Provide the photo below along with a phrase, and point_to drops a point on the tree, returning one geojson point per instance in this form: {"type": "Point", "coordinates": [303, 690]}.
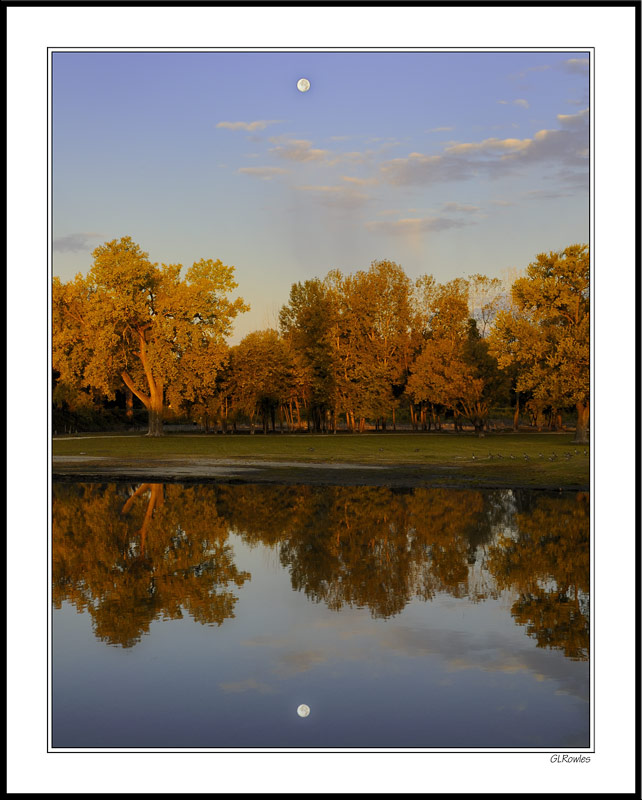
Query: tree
{"type": "Point", "coordinates": [306, 324]}
{"type": "Point", "coordinates": [261, 376]}
{"type": "Point", "coordinates": [547, 334]}
{"type": "Point", "coordinates": [133, 322]}
{"type": "Point", "coordinates": [130, 555]}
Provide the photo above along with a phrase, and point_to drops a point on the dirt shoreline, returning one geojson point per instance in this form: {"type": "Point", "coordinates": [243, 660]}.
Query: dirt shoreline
{"type": "Point", "coordinates": [94, 469]}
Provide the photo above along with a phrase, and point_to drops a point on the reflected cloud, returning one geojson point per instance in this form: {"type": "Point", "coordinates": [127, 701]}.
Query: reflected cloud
{"type": "Point", "coordinates": [248, 685]}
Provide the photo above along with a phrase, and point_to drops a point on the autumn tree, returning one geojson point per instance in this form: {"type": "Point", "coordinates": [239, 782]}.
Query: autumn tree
{"type": "Point", "coordinates": [306, 324]}
{"type": "Point", "coordinates": [139, 324]}
{"type": "Point", "coordinates": [546, 335]}
{"type": "Point", "coordinates": [261, 376]}
{"type": "Point", "coordinates": [373, 339]}
{"type": "Point", "coordinates": [441, 375]}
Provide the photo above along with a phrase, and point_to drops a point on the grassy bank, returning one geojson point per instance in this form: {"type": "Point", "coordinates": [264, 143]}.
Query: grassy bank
{"type": "Point", "coordinates": [497, 459]}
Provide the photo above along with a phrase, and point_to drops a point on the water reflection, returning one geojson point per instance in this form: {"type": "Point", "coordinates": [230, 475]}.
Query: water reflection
{"type": "Point", "coordinates": [132, 554]}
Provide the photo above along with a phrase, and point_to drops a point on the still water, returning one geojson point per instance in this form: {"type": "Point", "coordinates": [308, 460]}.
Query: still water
{"type": "Point", "coordinates": [203, 616]}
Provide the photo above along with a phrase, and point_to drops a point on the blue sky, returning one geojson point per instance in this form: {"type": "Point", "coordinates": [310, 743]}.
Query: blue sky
{"type": "Point", "coordinates": [447, 163]}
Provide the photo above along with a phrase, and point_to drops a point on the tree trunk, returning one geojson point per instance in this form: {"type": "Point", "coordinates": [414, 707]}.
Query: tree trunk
{"type": "Point", "coordinates": [155, 427]}
{"type": "Point", "coordinates": [581, 429]}
{"type": "Point", "coordinates": [516, 414]}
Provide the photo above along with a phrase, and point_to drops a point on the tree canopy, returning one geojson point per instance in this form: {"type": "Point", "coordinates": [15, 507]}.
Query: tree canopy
{"type": "Point", "coordinates": [133, 322]}
{"type": "Point", "coordinates": [350, 348]}
{"type": "Point", "coordinates": [546, 333]}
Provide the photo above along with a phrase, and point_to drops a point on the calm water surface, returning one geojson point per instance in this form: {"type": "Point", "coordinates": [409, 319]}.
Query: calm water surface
{"type": "Point", "coordinates": [203, 616]}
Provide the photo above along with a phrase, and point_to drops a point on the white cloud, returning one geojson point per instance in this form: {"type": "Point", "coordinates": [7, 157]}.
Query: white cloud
{"type": "Point", "coordinates": [265, 173]}
{"type": "Point", "coordinates": [257, 125]}
{"type": "Point", "coordinates": [443, 128]}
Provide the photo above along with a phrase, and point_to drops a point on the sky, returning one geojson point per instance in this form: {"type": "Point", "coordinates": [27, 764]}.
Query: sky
{"type": "Point", "coordinates": [448, 163]}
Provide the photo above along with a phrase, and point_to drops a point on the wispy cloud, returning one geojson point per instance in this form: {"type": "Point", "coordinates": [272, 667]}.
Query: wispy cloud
{"type": "Point", "coordinates": [565, 147]}
{"type": "Point", "coordinates": [264, 173]}
{"type": "Point", "coordinates": [520, 101]}
{"type": "Point", "coordinates": [487, 145]}
{"type": "Point", "coordinates": [257, 125]}
{"type": "Point", "coordinates": [464, 208]}
{"type": "Point", "coordinates": [578, 66]}
{"type": "Point", "coordinates": [336, 196]}
{"type": "Point", "coordinates": [75, 242]}
{"type": "Point", "coordinates": [359, 181]}
{"type": "Point", "coordinates": [537, 68]}
{"type": "Point", "coordinates": [299, 150]}
{"type": "Point", "coordinates": [442, 128]}
{"type": "Point", "coordinates": [574, 120]}
{"type": "Point", "coordinates": [547, 194]}
{"type": "Point", "coordinates": [414, 225]}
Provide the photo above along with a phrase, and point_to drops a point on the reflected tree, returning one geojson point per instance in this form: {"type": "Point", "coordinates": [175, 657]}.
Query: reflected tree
{"type": "Point", "coordinates": [132, 555]}
{"type": "Point", "coordinates": [547, 563]}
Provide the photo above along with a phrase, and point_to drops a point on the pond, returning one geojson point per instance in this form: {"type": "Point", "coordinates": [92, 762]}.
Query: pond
{"type": "Point", "coordinates": [203, 616]}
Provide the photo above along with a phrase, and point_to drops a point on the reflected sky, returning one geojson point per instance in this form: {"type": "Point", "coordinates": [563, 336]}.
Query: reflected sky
{"type": "Point", "coordinates": [427, 618]}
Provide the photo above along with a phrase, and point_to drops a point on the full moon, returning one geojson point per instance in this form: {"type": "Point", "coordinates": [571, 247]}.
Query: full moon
{"type": "Point", "coordinates": [303, 710]}
{"type": "Point", "coordinates": [303, 85]}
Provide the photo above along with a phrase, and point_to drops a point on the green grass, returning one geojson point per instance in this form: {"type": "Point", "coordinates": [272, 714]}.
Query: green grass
{"type": "Point", "coordinates": [494, 458]}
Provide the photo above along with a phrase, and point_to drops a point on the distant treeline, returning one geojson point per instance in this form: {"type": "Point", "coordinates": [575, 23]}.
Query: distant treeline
{"type": "Point", "coordinates": [351, 350]}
